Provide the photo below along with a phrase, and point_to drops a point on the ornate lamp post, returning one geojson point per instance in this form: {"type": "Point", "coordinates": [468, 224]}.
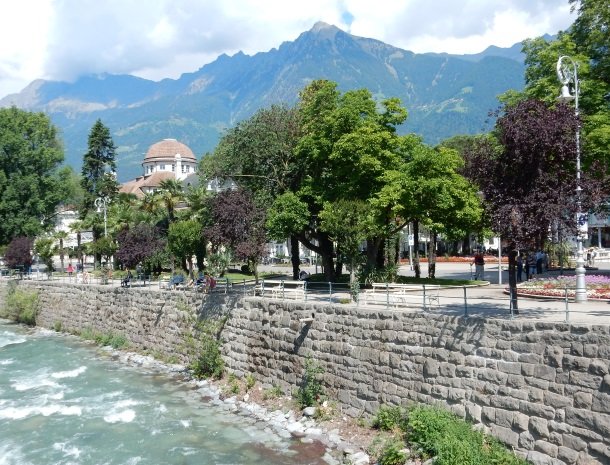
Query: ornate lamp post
{"type": "Point", "coordinates": [102, 205]}
{"type": "Point", "coordinates": [567, 73]}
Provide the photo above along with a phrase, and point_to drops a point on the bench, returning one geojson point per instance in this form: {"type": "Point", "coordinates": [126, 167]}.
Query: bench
{"type": "Point", "coordinates": [281, 289]}
{"type": "Point", "coordinates": [403, 294]}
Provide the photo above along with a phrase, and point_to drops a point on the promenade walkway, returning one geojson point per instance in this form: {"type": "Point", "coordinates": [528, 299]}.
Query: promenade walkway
{"type": "Point", "coordinates": [488, 301]}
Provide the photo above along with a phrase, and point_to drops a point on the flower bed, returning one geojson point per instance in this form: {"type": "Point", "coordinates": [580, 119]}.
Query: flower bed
{"type": "Point", "coordinates": [598, 286]}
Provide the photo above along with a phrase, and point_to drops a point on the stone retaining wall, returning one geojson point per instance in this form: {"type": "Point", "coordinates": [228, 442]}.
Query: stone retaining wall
{"type": "Point", "coordinates": [154, 322]}
{"type": "Point", "coordinates": [542, 388]}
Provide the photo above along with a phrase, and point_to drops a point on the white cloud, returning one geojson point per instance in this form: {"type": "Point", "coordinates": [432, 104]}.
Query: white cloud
{"type": "Point", "coordinates": [63, 39]}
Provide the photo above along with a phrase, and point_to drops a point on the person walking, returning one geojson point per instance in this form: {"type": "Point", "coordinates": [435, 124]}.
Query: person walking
{"type": "Point", "coordinates": [519, 268]}
{"type": "Point", "coordinates": [531, 265]}
{"type": "Point", "coordinates": [479, 266]}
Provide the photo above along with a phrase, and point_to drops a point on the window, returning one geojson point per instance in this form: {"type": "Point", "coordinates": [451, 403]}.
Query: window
{"type": "Point", "coordinates": [183, 169]}
{"type": "Point", "coordinates": [173, 167]}
{"type": "Point", "coordinates": [161, 167]}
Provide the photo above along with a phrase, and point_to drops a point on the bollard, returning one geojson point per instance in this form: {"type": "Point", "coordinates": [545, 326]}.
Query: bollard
{"type": "Point", "coordinates": [424, 287]}
{"type": "Point", "coordinates": [567, 307]}
{"type": "Point", "coordinates": [465, 303]}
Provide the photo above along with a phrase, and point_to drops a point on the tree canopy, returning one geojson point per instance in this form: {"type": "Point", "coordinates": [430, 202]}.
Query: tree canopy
{"type": "Point", "coordinates": [30, 177]}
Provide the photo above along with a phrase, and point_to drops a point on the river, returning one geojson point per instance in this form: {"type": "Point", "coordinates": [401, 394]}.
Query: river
{"type": "Point", "coordinates": [63, 401]}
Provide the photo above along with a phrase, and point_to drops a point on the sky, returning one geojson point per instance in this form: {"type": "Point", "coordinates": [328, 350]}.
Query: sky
{"type": "Point", "coordinates": [156, 39]}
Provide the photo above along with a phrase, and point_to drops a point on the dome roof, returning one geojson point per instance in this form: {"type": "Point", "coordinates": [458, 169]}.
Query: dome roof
{"type": "Point", "coordinates": [168, 149]}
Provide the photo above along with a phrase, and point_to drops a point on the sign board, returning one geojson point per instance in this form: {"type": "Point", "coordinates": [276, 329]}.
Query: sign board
{"type": "Point", "coordinates": [582, 223]}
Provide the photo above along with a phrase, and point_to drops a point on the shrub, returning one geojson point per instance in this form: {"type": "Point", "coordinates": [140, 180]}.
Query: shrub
{"type": "Point", "coordinates": [453, 441]}
{"type": "Point", "coordinates": [311, 391]}
{"type": "Point", "coordinates": [245, 269]}
{"type": "Point", "coordinates": [203, 347]}
{"type": "Point", "coordinates": [392, 454]}
{"type": "Point", "coordinates": [272, 393]}
{"type": "Point", "coordinates": [250, 382]}
{"type": "Point", "coordinates": [21, 305]}
{"type": "Point", "coordinates": [116, 341]}
{"type": "Point", "coordinates": [390, 418]}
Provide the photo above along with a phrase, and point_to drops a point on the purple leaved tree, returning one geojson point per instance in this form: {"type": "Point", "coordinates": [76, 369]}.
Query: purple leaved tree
{"type": "Point", "coordinates": [138, 244]}
{"type": "Point", "coordinates": [237, 223]}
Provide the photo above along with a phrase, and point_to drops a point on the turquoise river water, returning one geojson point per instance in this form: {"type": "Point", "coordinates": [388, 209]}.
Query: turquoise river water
{"type": "Point", "coordinates": [64, 402]}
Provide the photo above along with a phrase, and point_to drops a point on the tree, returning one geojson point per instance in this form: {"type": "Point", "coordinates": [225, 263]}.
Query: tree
{"type": "Point", "coordinates": [98, 177]}
{"type": "Point", "coordinates": [348, 142]}
{"type": "Point", "coordinates": [170, 194]}
{"type": "Point", "coordinates": [30, 179]}
{"type": "Point", "coordinates": [46, 248]}
{"type": "Point", "coordinates": [99, 166]}
{"type": "Point", "coordinates": [258, 154]}
{"type": "Point", "coordinates": [590, 32]}
{"type": "Point", "coordinates": [18, 252]}
{"type": "Point", "coordinates": [184, 238]}
{"type": "Point", "coordinates": [349, 223]}
{"type": "Point", "coordinates": [138, 244]}
{"type": "Point", "coordinates": [528, 178]}
{"type": "Point", "coordinates": [238, 224]}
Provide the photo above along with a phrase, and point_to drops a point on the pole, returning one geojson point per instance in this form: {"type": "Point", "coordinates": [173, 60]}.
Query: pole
{"type": "Point", "coordinates": [567, 71]}
{"type": "Point", "coordinates": [499, 260]}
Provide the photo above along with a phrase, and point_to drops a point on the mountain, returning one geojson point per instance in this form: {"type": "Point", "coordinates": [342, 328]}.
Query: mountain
{"type": "Point", "coordinates": [444, 94]}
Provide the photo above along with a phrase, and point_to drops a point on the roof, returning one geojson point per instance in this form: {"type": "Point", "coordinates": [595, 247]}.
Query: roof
{"type": "Point", "coordinates": [168, 149]}
{"type": "Point", "coordinates": [151, 181]}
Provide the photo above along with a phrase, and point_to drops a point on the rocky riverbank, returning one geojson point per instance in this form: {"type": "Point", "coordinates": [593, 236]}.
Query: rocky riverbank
{"type": "Point", "coordinates": [336, 436]}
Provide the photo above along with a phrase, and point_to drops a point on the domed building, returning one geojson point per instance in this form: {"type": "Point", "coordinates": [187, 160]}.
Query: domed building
{"type": "Point", "coordinates": [167, 159]}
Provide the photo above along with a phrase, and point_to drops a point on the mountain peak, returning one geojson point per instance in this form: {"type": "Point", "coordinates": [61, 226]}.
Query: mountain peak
{"type": "Point", "coordinates": [324, 30]}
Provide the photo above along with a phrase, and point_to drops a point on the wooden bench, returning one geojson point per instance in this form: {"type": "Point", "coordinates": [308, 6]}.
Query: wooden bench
{"type": "Point", "coordinates": [403, 294]}
{"type": "Point", "coordinates": [281, 289]}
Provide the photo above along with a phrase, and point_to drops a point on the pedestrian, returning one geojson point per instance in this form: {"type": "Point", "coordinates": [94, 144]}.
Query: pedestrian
{"type": "Point", "coordinates": [479, 266]}
{"type": "Point", "coordinates": [519, 268]}
{"type": "Point", "coordinates": [539, 259]}
{"type": "Point", "coordinates": [530, 263]}
{"type": "Point", "coordinates": [70, 270]}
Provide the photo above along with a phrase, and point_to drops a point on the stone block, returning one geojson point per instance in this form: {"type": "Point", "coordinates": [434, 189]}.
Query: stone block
{"type": "Point", "coordinates": [544, 372]}
{"type": "Point", "coordinates": [504, 418]}
{"type": "Point", "coordinates": [539, 427]}
{"type": "Point", "coordinates": [571, 362]}
{"type": "Point", "coordinates": [585, 380]}
{"type": "Point", "coordinates": [600, 449]}
{"type": "Point", "coordinates": [599, 367]}
{"type": "Point", "coordinates": [601, 402]}
{"type": "Point", "coordinates": [513, 368]}
{"type": "Point", "coordinates": [556, 401]}
{"type": "Point", "coordinates": [473, 412]}
{"type": "Point", "coordinates": [566, 454]}
{"type": "Point", "coordinates": [431, 368]}
{"type": "Point", "coordinates": [546, 448]}
{"type": "Point", "coordinates": [505, 435]}
{"type": "Point", "coordinates": [526, 440]}
{"type": "Point", "coordinates": [520, 421]}
{"type": "Point", "coordinates": [537, 410]}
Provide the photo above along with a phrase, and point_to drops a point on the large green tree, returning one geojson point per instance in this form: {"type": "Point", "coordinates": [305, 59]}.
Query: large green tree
{"type": "Point", "coordinates": [99, 167]}
{"type": "Point", "coordinates": [30, 177]}
{"type": "Point", "coordinates": [259, 155]}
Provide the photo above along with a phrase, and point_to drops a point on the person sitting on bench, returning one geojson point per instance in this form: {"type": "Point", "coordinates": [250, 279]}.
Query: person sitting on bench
{"type": "Point", "coordinates": [126, 281]}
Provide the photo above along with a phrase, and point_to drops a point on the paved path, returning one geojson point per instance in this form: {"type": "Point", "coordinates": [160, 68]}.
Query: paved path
{"type": "Point", "coordinates": [485, 301]}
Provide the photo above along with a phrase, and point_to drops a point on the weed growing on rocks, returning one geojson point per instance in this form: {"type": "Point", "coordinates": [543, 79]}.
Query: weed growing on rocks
{"type": "Point", "coordinates": [21, 305]}
{"type": "Point", "coordinates": [311, 391]}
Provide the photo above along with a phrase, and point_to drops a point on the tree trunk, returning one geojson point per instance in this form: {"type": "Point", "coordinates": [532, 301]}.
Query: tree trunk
{"type": "Point", "coordinates": [416, 267]}
{"type": "Point", "coordinates": [432, 255]}
{"type": "Point", "coordinates": [512, 277]}
{"type": "Point", "coordinates": [61, 254]}
{"type": "Point", "coordinates": [338, 268]}
{"type": "Point", "coordinates": [372, 249]}
{"type": "Point", "coordinates": [294, 256]}
{"type": "Point", "coordinates": [327, 252]}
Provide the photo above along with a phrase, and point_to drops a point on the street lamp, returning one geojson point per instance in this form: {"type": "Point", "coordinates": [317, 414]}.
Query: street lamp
{"type": "Point", "coordinates": [567, 73]}
{"type": "Point", "coordinates": [102, 204]}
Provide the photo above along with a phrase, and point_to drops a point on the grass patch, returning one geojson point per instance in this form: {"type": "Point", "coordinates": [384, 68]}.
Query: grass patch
{"type": "Point", "coordinates": [434, 432]}
{"type": "Point", "coordinates": [21, 305]}
{"type": "Point", "coordinates": [116, 341]}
